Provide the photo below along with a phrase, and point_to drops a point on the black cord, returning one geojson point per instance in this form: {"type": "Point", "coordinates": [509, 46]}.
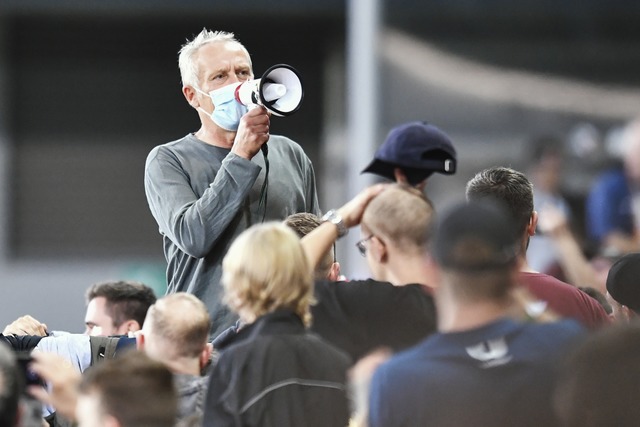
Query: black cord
{"type": "Point", "coordinates": [265, 185]}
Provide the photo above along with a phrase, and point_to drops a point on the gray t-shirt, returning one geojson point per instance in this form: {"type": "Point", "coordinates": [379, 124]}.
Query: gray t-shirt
{"type": "Point", "coordinates": [203, 196]}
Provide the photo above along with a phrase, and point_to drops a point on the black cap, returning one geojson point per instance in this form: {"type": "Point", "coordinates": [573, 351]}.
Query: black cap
{"type": "Point", "coordinates": [418, 148]}
{"type": "Point", "coordinates": [623, 281]}
{"type": "Point", "coordinates": [475, 236]}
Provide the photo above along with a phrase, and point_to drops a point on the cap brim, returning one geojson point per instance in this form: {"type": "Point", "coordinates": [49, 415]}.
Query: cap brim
{"type": "Point", "coordinates": [381, 168]}
{"type": "Point", "coordinates": [387, 170]}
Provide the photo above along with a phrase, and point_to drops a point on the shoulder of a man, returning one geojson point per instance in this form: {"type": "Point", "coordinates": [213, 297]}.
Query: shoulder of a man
{"type": "Point", "coordinates": [73, 347]}
{"type": "Point", "coordinates": [283, 144]}
{"type": "Point", "coordinates": [168, 147]}
{"type": "Point", "coordinates": [565, 299]}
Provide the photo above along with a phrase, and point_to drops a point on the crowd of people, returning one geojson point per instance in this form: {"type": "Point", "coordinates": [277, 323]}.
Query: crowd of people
{"type": "Point", "coordinates": [457, 325]}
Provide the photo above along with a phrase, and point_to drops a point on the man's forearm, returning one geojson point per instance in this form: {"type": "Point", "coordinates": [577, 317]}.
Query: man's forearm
{"type": "Point", "coordinates": [318, 242]}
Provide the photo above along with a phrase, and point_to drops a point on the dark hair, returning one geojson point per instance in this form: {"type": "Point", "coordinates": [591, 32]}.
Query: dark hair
{"type": "Point", "coordinates": [545, 146]}
{"type": "Point", "coordinates": [507, 187]}
{"type": "Point", "coordinates": [9, 387]}
{"type": "Point", "coordinates": [134, 389]}
{"type": "Point", "coordinates": [598, 383]}
{"type": "Point", "coordinates": [125, 300]}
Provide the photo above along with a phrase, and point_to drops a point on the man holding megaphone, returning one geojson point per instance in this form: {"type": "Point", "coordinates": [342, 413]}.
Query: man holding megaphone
{"type": "Point", "coordinates": [207, 187]}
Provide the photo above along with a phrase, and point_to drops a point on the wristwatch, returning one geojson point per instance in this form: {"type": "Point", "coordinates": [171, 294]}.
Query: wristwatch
{"type": "Point", "coordinates": [334, 217]}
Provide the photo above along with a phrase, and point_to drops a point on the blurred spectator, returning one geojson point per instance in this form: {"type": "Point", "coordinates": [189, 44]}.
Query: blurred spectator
{"type": "Point", "coordinates": [598, 384]}
{"type": "Point", "coordinates": [130, 391]}
{"type": "Point", "coordinates": [482, 368]}
{"type": "Point", "coordinates": [573, 261]}
{"type": "Point", "coordinates": [512, 190]}
{"type": "Point", "coordinates": [274, 372]}
{"type": "Point", "coordinates": [175, 333]}
{"type": "Point", "coordinates": [9, 388]}
{"type": "Point", "coordinates": [113, 308]}
{"type": "Point", "coordinates": [545, 171]}
{"type": "Point", "coordinates": [613, 204]}
{"type": "Point", "coordinates": [623, 287]}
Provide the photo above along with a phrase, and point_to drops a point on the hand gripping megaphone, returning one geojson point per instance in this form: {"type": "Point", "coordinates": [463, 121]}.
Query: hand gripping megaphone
{"type": "Point", "coordinates": [279, 90]}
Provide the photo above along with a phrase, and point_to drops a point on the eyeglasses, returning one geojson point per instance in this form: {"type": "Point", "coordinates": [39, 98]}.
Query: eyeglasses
{"type": "Point", "coordinates": [362, 247]}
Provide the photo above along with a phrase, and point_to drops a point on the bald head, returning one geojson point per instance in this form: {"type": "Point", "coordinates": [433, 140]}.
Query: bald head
{"type": "Point", "coordinates": [402, 216]}
{"type": "Point", "coordinates": [177, 325]}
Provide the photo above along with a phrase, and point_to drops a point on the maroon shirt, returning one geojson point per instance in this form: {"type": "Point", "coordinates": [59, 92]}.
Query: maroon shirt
{"type": "Point", "coordinates": [565, 300]}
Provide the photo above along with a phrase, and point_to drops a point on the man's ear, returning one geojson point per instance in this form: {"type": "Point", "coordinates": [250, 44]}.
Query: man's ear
{"type": "Point", "coordinates": [378, 249]}
{"type": "Point", "coordinates": [205, 355]}
{"type": "Point", "coordinates": [533, 223]}
{"type": "Point", "coordinates": [128, 327]}
{"type": "Point", "coordinates": [140, 340]}
{"type": "Point", "coordinates": [110, 421]}
{"type": "Point", "coordinates": [190, 95]}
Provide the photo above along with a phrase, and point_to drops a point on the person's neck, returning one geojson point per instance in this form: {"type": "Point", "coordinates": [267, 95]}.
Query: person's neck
{"type": "Point", "coordinates": [183, 365]}
{"type": "Point", "coordinates": [459, 316]}
{"type": "Point", "coordinates": [216, 136]}
{"type": "Point", "coordinates": [525, 267]}
{"type": "Point", "coordinates": [407, 269]}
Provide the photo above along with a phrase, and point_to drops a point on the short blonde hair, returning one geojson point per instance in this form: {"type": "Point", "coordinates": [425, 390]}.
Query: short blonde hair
{"type": "Point", "coordinates": [186, 63]}
{"type": "Point", "coordinates": [403, 215]}
{"type": "Point", "coordinates": [266, 269]}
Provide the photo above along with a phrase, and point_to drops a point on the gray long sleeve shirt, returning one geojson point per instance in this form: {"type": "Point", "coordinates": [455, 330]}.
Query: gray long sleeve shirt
{"type": "Point", "coordinates": [203, 196]}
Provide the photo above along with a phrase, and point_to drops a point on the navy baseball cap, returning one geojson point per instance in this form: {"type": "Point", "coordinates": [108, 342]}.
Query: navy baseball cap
{"type": "Point", "coordinates": [623, 281]}
{"type": "Point", "coordinates": [418, 148]}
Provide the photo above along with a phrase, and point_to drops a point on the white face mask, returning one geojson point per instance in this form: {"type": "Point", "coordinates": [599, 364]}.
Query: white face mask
{"type": "Point", "coordinates": [227, 110]}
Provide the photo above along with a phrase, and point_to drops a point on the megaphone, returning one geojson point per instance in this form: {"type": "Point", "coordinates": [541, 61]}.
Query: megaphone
{"type": "Point", "coordinates": [279, 90]}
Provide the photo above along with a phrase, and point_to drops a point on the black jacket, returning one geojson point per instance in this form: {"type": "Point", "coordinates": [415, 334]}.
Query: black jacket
{"type": "Point", "coordinates": [274, 373]}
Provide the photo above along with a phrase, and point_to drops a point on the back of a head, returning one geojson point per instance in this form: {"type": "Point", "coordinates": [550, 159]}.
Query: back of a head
{"type": "Point", "coordinates": [623, 281]}
{"type": "Point", "coordinates": [266, 269]}
{"type": "Point", "coordinates": [402, 215]}
{"type": "Point", "coordinates": [303, 223]}
{"type": "Point", "coordinates": [132, 388]}
{"type": "Point", "coordinates": [177, 325]}
{"type": "Point", "coordinates": [505, 186]}
{"type": "Point", "coordinates": [598, 384]}
{"type": "Point", "coordinates": [9, 387]}
{"type": "Point", "coordinates": [475, 244]}
{"type": "Point", "coordinates": [125, 300]}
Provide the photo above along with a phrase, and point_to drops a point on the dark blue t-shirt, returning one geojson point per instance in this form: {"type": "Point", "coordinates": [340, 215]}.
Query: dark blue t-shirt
{"type": "Point", "coordinates": [501, 374]}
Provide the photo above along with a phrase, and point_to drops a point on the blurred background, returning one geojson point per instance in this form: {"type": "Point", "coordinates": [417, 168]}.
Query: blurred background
{"type": "Point", "coordinates": [89, 87]}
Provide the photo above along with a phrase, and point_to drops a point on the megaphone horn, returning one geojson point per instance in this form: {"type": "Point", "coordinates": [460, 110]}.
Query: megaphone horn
{"type": "Point", "coordinates": [279, 90]}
